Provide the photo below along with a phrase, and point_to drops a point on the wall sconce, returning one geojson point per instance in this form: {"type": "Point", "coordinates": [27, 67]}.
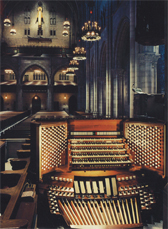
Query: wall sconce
{"type": "Point", "coordinates": [64, 96]}
{"type": "Point", "coordinates": [6, 97]}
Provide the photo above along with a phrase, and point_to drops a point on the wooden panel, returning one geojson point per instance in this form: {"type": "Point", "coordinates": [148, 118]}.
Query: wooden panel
{"type": "Point", "coordinates": [14, 223]}
{"type": "Point", "coordinates": [2, 155]}
{"type": "Point", "coordinates": [27, 210]}
{"type": "Point", "coordinates": [14, 192]}
{"type": "Point", "coordinates": [95, 125]}
{"type": "Point", "coordinates": [52, 146]}
{"type": "Point", "coordinates": [146, 142]}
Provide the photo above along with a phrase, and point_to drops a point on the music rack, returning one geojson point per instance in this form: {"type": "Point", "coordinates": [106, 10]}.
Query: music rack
{"type": "Point", "coordinates": [96, 160]}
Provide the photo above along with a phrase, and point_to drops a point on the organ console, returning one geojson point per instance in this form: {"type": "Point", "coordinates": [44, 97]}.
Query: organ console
{"type": "Point", "coordinates": [93, 170]}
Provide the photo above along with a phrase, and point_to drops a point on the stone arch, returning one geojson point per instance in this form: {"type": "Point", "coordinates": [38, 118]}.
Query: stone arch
{"type": "Point", "coordinates": [38, 66]}
{"type": "Point", "coordinates": [25, 95]}
{"type": "Point", "coordinates": [121, 57]}
{"type": "Point", "coordinates": [121, 43]}
{"type": "Point", "coordinates": [102, 82]}
{"type": "Point", "coordinates": [61, 67]}
{"type": "Point", "coordinates": [8, 66]}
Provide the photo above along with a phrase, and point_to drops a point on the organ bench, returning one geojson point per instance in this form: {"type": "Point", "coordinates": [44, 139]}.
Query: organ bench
{"type": "Point", "coordinates": [93, 169]}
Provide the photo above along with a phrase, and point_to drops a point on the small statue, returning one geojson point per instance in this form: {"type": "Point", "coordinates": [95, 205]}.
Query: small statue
{"type": "Point", "coordinates": [40, 20]}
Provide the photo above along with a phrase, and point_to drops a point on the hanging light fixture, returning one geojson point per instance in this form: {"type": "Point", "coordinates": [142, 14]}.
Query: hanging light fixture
{"type": "Point", "coordinates": [66, 24]}
{"type": "Point", "coordinates": [13, 31]}
{"type": "Point", "coordinates": [64, 71]}
{"type": "Point", "coordinates": [91, 31]}
{"type": "Point", "coordinates": [79, 53]}
{"type": "Point", "coordinates": [74, 65]}
{"type": "Point", "coordinates": [65, 33]}
{"type": "Point", "coordinates": [7, 22]}
{"type": "Point", "coordinates": [70, 72]}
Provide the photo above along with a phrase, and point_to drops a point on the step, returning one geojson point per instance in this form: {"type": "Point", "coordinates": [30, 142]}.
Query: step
{"type": "Point", "coordinates": [28, 140]}
{"type": "Point", "coordinates": [16, 134]}
{"type": "Point", "coordinates": [154, 226]}
{"type": "Point", "coordinates": [26, 146]}
{"type": "Point", "coordinates": [23, 153]}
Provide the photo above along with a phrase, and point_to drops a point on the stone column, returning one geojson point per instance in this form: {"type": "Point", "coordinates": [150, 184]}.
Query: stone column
{"type": "Point", "coordinates": [155, 60]}
{"type": "Point", "coordinates": [107, 94]}
{"type": "Point", "coordinates": [87, 79]}
{"type": "Point", "coordinates": [132, 57]}
{"type": "Point", "coordinates": [126, 94]}
{"type": "Point", "coordinates": [50, 98]}
{"type": "Point", "coordinates": [91, 94]}
{"type": "Point", "coordinates": [100, 98]}
{"type": "Point", "coordinates": [148, 72]}
{"type": "Point", "coordinates": [19, 97]}
{"type": "Point", "coordinates": [115, 94]}
{"type": "Point", "coordinates": [120, 73]}
{"type": "Point", "coordinates": [95, 110]}
{"type": "Point", "coordinates": [108, 63]}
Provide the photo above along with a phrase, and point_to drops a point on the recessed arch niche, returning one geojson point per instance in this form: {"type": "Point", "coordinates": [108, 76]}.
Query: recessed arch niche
{"type": "Point", "coordinates": [34, 83]}
{"type": "Point", "coordinates": [36, 104]}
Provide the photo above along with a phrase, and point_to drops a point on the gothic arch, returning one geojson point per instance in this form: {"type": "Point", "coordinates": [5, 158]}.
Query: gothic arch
{"type": "Point", "coordinates": [122, 56]}
{"type": "Point", "coordinates": [64, 65]}
{"type": "Point", "coordinates": [121, 43]}
{"type": "Point", "coordinates": [61, 67]}
{"type": "Point", "coordinates": [38, 66]}
{"type": "Point", "coordinates": [8, 66]}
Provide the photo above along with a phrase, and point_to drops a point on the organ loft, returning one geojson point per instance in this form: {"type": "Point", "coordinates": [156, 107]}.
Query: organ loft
{"type": "Point", "coordinates": [83, 114]}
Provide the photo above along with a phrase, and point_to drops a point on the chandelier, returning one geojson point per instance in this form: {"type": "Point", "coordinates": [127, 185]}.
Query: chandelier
{"type": "Point", "coordinates": [70, 72]}
{"type": "Point", "coordinates": [91, 31]}
{"type": "Point", "coordinates": [66, 24]}
{"type": "Point", "coordinates": [79, 53]}
{"type": "Point", "coordinates": [7, 22]}
{"type": "Point", "coordinates": [65, 33]}
{"type": "Point", "coordinates": [74, 65]}
{"type": "Point", "coordinates": [13, 31]}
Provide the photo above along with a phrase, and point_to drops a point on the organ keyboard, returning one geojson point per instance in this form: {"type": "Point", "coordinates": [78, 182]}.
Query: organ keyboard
{"type": "Point", "coordinates": [90, 167]}
{"type": "Point", "coordinates": [98, 153]}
